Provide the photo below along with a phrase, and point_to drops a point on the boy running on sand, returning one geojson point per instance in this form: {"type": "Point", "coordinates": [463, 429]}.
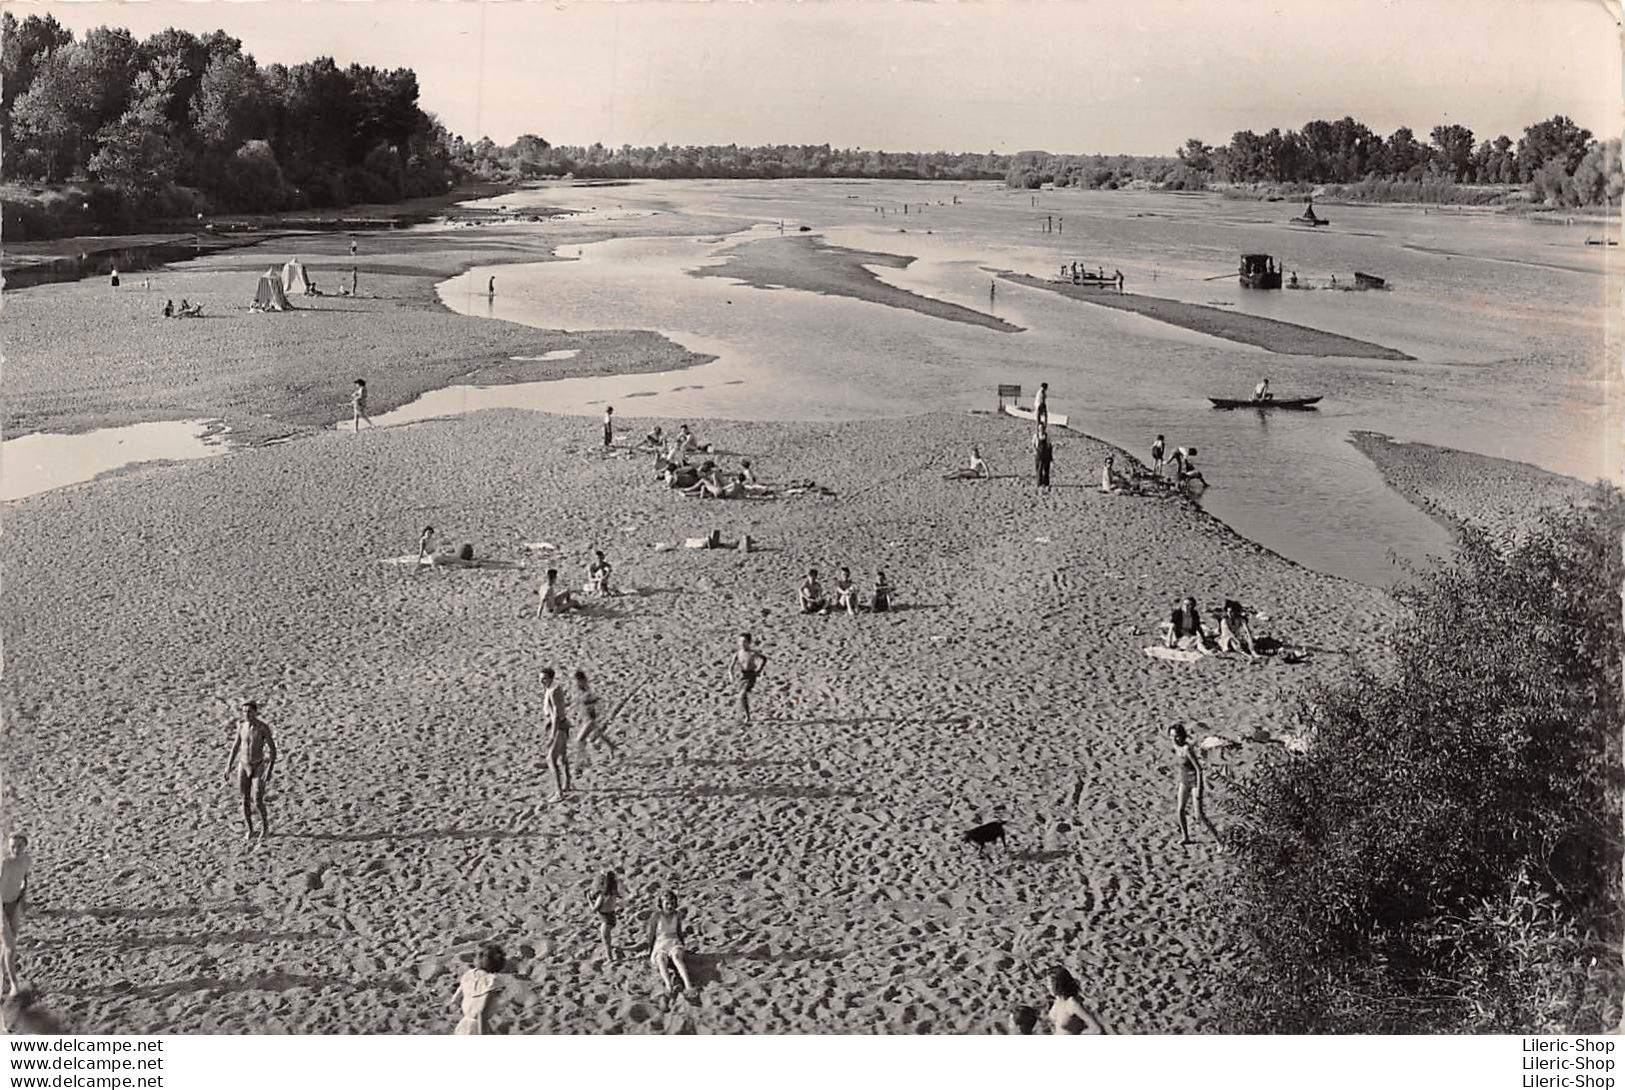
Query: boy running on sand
{"type": "Point", "coordinates": [358, 405]}
{"type": "Point", "coordinates": [593, 726]}
{"type": "Point", "coordinates": [253, 753]}
{"type": "Point", "coordinates": [745, 667]}
{"type": "Point", "coordinates": [558, 733]}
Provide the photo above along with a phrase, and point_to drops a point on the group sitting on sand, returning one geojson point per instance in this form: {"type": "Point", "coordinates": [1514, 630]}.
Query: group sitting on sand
{"type": "Point", "coordinates": [185, 310]}
{"type": "Point", "coordinates": [1184, 630]}
{"type": "Point", "coordinates": [813, 599]}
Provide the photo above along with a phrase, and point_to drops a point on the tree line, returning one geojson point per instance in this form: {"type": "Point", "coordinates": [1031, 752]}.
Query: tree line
{"type": "Point", "coordinates": [179, 118]}
{"type": "Point", "coordinates": [1557, 160]}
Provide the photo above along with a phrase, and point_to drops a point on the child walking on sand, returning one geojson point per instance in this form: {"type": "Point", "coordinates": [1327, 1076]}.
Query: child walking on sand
{"type": "Point", "coordinates": [358, 405]}
{"type": "Point", "coordinates": [606, 900]}
{"type": "Point", "coordinates": [253, 754]}
{"type": "Point", "coordinates": [593, 725]}
{"type": "Point", "coordinates": [1191, 780]}
{"type": "Point", "coordinates": [557, 723]}
{"type": "Point", "coordinates": [745, 667]}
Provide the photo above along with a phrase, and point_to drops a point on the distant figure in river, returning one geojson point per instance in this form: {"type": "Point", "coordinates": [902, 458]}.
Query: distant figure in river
{"type": "Point", "coordinates": [992, 290]}
{"type": "Point", "coordinates": [1261, 392]}
{"type": "Point", "coordinates": [609, 427]}
{"type": "Point", "coordinates": [606, 902]}
{"type": "Point", "coordinates": [358, 405]}
{"type": "Point", "coordinates": [253, 755]}
{"type": "Point", "coordinates": [478, 992]}
{"type": "Point", "coordinates": [1309, 210]}
{"type": "Point", "coordinates": [1158, 450]}
{"type": "Point", "coordinates": [113, 279]}
{"type": "Point", "coordinates": [745, 667]}
{"type": "Point", "coordinates": [352, 247]}
{"type": "Point", "coordinates": [1119, 281]}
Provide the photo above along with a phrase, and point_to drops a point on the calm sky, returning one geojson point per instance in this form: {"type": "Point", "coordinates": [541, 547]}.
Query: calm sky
{"type": "Point", "coordinates": [1131, 76]}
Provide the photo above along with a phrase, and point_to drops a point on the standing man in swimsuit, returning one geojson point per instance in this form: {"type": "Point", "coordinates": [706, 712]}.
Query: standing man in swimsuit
{"type": "Point", "coordinates": [557, 722]}
{"type": "Point", "coordinates": [745, 667]}
{"type": "Point", "coordinates": [253, 754]}
{"type": "Point", "coordinates": [358, 405]}
{"type": "Point", "coordinates": [609, 427]}
{"type": "Point", "coordinates": [1192, 780]}
{"type": "Point", "coordinates": [1041, 405]}
{"type": "Point", "coordinates": [1159, 450]}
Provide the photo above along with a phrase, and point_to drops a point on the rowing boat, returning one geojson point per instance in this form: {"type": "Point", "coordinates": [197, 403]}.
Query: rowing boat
{"type": "Point", "coordinates": [1270, 403]}
{"type": "Point", "coordinates": [1310, 221]}
{"type": "Point", "coordinates": [1056, 420]}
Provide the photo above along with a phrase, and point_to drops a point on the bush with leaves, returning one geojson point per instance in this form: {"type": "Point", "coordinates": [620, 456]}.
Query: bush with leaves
{"type": "Point", "coordinates": [1446, 855]}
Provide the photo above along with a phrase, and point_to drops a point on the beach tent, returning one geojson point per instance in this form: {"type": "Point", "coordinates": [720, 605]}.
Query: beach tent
{"type": "Point", "coordinates": [269, 295]}
{"type": "Point", "coordinates": [294, 280]}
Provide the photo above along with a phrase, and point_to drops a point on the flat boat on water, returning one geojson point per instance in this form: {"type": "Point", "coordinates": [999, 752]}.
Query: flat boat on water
{"type": "Point", "coordinates": [1266, 403]}
{"type": "Point", "coordinates": [1309, 221]}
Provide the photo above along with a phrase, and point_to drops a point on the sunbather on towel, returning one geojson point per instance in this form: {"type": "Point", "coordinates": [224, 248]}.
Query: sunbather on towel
{"type": "Point", "coordinates": [1184, 629]}
{"type": "Point", "coordinates": [1234, 632]}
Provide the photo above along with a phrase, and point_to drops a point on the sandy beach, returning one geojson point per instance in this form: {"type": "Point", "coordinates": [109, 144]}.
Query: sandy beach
{"type": "Point", "coordinates": [818, 850]}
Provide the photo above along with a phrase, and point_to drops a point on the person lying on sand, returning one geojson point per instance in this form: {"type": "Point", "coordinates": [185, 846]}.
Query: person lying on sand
{"type": "Point", "coordinates": [555, 599]}
{"type": "Point", "coordinates": [557, 723]}
{"type": "Point", "coordinates": [744, 668]}
{"type": "Point", "coordinates": [1190, 780]}
{"type": "Point", "coordinates": [479, 992]}
{"type": "Point", "coordinates": [598, 574]}
{"type": "Point", "coordinates": [881, 602]}
{"type": "Point", "coordinates": [713, 486]}
{"type": "Point", "coordinates": [1234, 632]}
{"type": "Point", "coordinates": [14, 870]}
{"type": "Point", "coordinates": [606, 903]}
{"type": "Point", "coordinates": [811, 595]}
{"type": "Point", "coordinates": [1067, 1014]}
{"type": "Point", "coordinates": [667, 928]}
{"type": "Point", "coordinates": [682, 478]}
{"type": "Point", "coordinates": [846, 595]}
{"type": "Point", "coordinates": [977, 470]}
{"type": "Point", "coordinates": [253, 755]}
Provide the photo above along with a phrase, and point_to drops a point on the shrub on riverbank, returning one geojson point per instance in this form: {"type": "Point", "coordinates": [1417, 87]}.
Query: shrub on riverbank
{"type": "Point", "coordinates": [1446, 855]}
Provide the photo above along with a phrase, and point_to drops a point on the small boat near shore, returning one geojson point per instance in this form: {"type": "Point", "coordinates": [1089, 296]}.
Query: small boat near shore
{"type": "Point", "coordinates": [1056, 420]}
{"type": "Point", "coordinates": [1267, 403]}
{"type": "Point", "coordinates": [1309, 221]}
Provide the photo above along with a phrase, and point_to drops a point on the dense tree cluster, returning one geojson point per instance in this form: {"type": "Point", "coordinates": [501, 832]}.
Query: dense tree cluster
{"type": "Point", "coordinates": [1558, 160]}
{"type": "Point", "coordinates": [178, 110]}
{"type": "Point", "coordinates": [1445, 855]}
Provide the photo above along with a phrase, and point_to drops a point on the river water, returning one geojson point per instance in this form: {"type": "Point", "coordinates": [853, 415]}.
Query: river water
{"type": "Point", "coordinates": [1504, 316]}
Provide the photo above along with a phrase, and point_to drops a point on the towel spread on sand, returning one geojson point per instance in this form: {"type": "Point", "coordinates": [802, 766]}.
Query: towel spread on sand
{"type": "Point", "coordinates": [1174, 654]}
